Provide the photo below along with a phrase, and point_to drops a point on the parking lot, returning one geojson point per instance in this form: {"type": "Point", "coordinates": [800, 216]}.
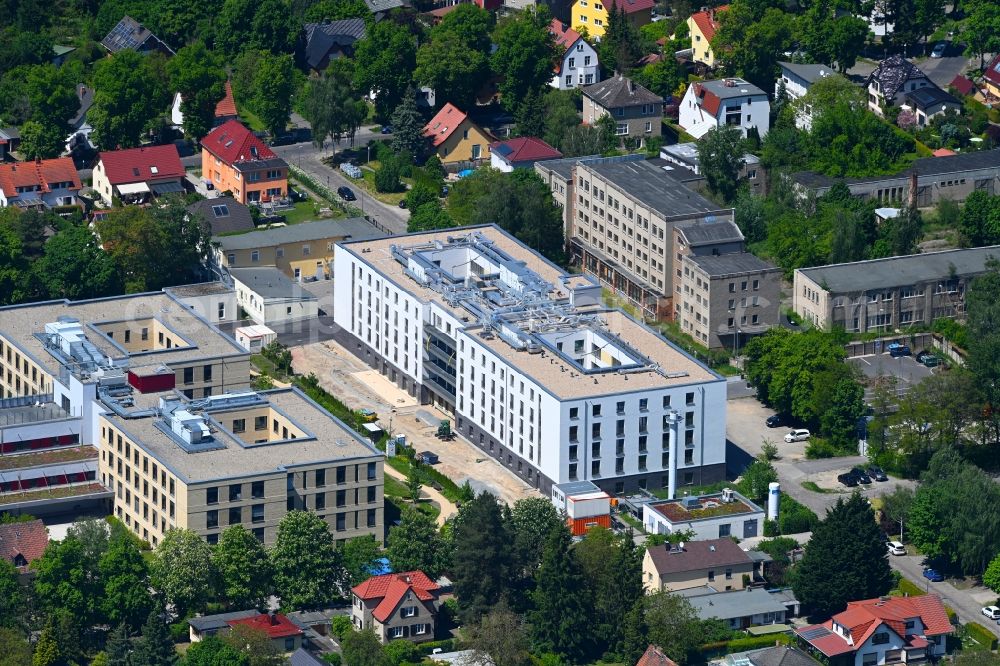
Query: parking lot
{"type": "Point", "coordinates": [905, 369]}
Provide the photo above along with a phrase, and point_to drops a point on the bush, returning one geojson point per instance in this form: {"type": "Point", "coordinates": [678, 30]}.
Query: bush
{"type": "Point", "coordinates": [981, 635]}
{"type": "Point", "coordinates": [793, 517]}
{"type": "Point", "coordinates": [340, 626]}
{"type": "Point", "coordinates": [179, 632]}
{"type": "Point", "coordinates": [387, 177]}
{"type": "Point", "coordinates": [817, 447]}
{"type": "Point", "coordinates": [718, 648]}
{"type": "Point", "coordinates": [400, 651]}
{"type": "Point", "coordinates": [332, 658]}
{"type": "Point", "coordinates": [771, 528]}
{"type": "Point", "coordinates": [447, 645]}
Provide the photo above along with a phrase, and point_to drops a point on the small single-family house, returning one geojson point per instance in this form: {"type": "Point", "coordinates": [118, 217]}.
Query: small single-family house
{"type": "Point", "coordinates": [778, 655]}
{"type": "Point", "coordinates": [576, 63]}
{"type": "Point", "coordinates": [887, 630]}
{"type": "Point", "coordinates": [330, 40]}
{"type": "Point", "coordinates": [654, 656]}
{"type": "Point", "coordinates": [742, 609]}
{"type": "Point", "coordinates": [520, 153]}
{"type": "Point", "coordinates": [732, 101]}
{"type": "Point", "coordinates": [928, 102]}
{"type": "Point", "coordinates": [234, 160]}
{"type": "Point", "coordinates": [702, 27]}
{"type": "Point", "coordinates": [396, 606]}
{"type": "Point", "coordinates": [39, 184]}
{"type": "Point", "coordinates": [797, 79]}
{"type": "Point", "coordinates": [130, 34]}
{"type": "Point", "coordinates": [888, 84]}
{"type": "Point", "coordinates": [718, 563]}
{"type": "Point", "coordinates": [283, 633]}
{"type": "Point", "coordinates": [593, 14]}
{"type": "Point", "coordinates": [23, 543]}
{"type": "Point", "coordinates": [225, 110]}
{"type": "Point", "coordinates": [455, 138]}
{"type": "Point", "coordinates": [135, 175]}
{"type": "Point", "coordinates": [637, 111]}
{"type": "Point", "coordinates": [270, 297]}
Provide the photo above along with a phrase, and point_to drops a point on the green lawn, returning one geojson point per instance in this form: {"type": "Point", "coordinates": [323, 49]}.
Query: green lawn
{"type": "Point", "coordinates": [368, 182]}
{"type": "Point", "coordinates": [811, 485]}
{"type": "Point", "coordinates": [303, 211]}
{"type": "Point", "coordinates": [395, 488]}
{"type": "Point", "coordinates": [266, 367]}
{"type": "Point", "coordinates": [252, 121]}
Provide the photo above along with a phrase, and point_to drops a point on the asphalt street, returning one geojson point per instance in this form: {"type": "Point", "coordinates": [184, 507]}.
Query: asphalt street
{"type": "Point", "coordinates": [939, 70]}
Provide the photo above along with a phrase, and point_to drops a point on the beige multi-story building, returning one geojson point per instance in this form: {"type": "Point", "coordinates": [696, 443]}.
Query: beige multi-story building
{"type": "Point", "coordinates": [298, 251]}
{"type": "Point", "coordinates": [891, 293]}
{"type": "Point", "coordinates": [238, 459]}
{"type": "Point", "coordinates": [622, 229]}
{"type": "Point", "coordinates": [724, 295]}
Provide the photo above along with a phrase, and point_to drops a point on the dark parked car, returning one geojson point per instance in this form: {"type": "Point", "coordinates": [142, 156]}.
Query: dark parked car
{"type": "Point", "coordinates": [876, 473]}
{"type": "Point", "coordinates": [428, 457]}
{"type": "Point", "coordinates": [402, 203]}
{"type": "Point", "coordinates": [295, 195]}
{"type": "Point", "coordinates": [849, 479]}
{"type": "Point", "coordinates": [386, 129]}
{"type": "Point", "coordinates": [897, 349]}
{"type": "Point", "coordinates": [775, 421]}
{"type": "Point", "coordinates": [862, 475]}
{"type": "Point", "coordinates": [928, 359]}
{"type": "Point", "coordinates": [283, 140]}
{"type": "Point", "coordinates": [346, 193]}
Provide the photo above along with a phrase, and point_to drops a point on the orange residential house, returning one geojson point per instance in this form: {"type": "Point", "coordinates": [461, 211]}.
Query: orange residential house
{"type": "Point", "coordinates": [235, 160]}
{"type": "Point", "coordinates": [456, 138]}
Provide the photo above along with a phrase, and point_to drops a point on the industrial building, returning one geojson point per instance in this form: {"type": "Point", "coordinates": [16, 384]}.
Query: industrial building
{"type": "Point", "coordinates": [536, 371]}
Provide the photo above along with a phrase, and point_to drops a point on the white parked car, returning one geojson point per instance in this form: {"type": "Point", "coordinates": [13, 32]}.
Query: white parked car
{"type": "Point", "coordinates": [991, 612]}
{"type": "Point", "coordinates": [798, 435]}
{"type": "Point", "coordinates": [896, 548]}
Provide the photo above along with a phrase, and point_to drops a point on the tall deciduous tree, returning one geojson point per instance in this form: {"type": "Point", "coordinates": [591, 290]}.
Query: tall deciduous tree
{"type": "Point", "coordinates": [42, 140]}
{"type": "Point", "coordinates": [363, 648]}
{"type": "Point", "coordinates": [305, 560]}
{"type": "Point", "coordinates": [125, 577]}
{"type": "Point", "coordinates": [212, 651]}
{"type": "Point", "coordinates": [182, 570]}
{"type": "Point", "coordinates": [981, 29]}
{"type": "Point", "coordinates": [672, 625]}
{"type": "Point", "coordinates": [62, 580]}
{"type": "Point", "coordinates": [243, 568]}
{"type": "Point", "coordinates": [16, 650]}
{"type": "Point", "coordinates": [332, 105]}
{"type": "Point", "coordinates": [198, 76]}
{"type": "Point", "coordinates": [267, 84]}
{"type": "Point", "coordinates": [845, 560]}
{"type": "Point", "coordinates": [74, 266]}
{"type": "Point", "coordinates": [524, 55]}
{"type": "Point", "coordinates": [499, 639]}
{"type": "Point", "coordinates": [414, 544]}
{"type": "Point", "coordinates": [721, 156]}
{"type": "Point", "coordinates": [385, 60]}
{"type": "Point", "coordinates": [360, 556]}
{"type": "Point", "coordinates": [12, 597]}
{"type": "Point", "coordinates": [130, 93]}
{"type": "Point", "coordinates": [560, 621]}
{"type": "Point", "coordinates": [983, 313]}
{"type": "Point", "coordinates": [612, 567]}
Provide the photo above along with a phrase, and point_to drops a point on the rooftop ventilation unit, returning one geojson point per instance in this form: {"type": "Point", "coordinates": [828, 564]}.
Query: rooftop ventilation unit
{"type": "Point", "coordinates": [67, 336]}
{"type": "Point", "coordinates": [189, 427]}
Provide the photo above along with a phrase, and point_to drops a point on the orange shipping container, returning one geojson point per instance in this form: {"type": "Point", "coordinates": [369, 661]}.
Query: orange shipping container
{"type": "Point", "coordinates": [579, 526]}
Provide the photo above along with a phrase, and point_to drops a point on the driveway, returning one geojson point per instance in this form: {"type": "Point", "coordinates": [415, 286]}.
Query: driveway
{"type": "Point", "coordinates": [939, 70]}
{"type": "Point", "coordinates": [905, 369]}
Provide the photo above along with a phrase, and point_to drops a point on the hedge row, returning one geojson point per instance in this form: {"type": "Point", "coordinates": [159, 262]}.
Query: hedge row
{"type": "Point", "coordinates": [718, 648]}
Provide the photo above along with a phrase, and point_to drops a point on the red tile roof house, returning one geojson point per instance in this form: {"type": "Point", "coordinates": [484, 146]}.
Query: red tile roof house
{"type": "Point", "coordinates": [39, 184]}
{"type": "Point", "coordinates": [285, 635]}
{"type": "Point", "coordinates": [520, 153]}
{"type": "Point", "coordinates": [23, 543]}
{"type": "Point", "coordinates": [224, 110]}
{"type": "Point", "coordinates": [396, 606]}
{"type": "Point", "coordinates": [135, 175]}
{"type": "Point", "coordinates": [235, 160]}
{"type": "Point", "coordinates": [654, 656]}
{"type": "Point", "coordinates": [577, 63]}
{"type": "Point", "coordinates": [887, 630]}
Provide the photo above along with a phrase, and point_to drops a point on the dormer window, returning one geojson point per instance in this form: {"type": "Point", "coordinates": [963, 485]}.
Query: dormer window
{"type": "Point", "coordinates": [135, 171]}
{"type": "Point", "coordinates": [154, 170]}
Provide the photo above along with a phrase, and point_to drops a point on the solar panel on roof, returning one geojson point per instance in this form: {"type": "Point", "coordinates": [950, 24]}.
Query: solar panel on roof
{"type": "Point", "coordinates": [125, 35]}
{"type": "Point", "coordinates": [814, 633]}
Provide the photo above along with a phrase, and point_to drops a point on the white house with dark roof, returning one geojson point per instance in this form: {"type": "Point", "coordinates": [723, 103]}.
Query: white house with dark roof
{"type": "Point", "coordinates": [732, 101]}
{"type": "Point", "coordinates": [889, 83]}
{"type": "Point", "coordinates": [797, 79]}
{"type": "Point", "coordinates": [929, 102]}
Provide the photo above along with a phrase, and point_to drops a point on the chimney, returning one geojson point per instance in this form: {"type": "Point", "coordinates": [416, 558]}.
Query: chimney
{"type": "Point", "coordinates": [912, 199]}
{"type": "Point", "coordinates": [711, 15]}
{"type": "Point", "coordinates": [272, 618]}
{"type": "Point", "coordinates": [631, 87]}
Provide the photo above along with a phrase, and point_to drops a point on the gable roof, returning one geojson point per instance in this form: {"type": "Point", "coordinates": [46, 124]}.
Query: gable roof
{"type": "Point", "coordinates": [130, 34]}
{"type": "Point", "coordinates": [863, 618]}
{"type": "Point", "coordinates": [227, 105]}
{"type": "Point", "coordinates": [630, 6]}
{"type": "Point", "coordinates": [781, 655]}
{"type": "Point", "coordinates": [618, 92]}
{"type": "Point", "coordinates": [810, 73]}
{"type": "Point", "coordinates": [223, 214]}
{"type": "Point", "coordinates": [929, 96]}
{"type": "Point", "coordinates": [204, 623]}
{"type": "Point", "coordinates": [42, 173]}
{"type": "Point", "coordinates": [654, 656]}
{"type": "Point", "coordinates": [302, 658]}
{"type": "Point", "coordinates": [892, 73]}
{"type": "Point", "coordinates": [136, 165]}
{"type": "Point", "coordinates": [378, 6]}
{"type": "Point", "coordinates": [322, 37]}
{"type": "Point", "coordinates": [524, 149]}
{"type": "Point", "coordinates": [708, 21]}
{"type": "Point", "coordinates": [444, 123]}
{"type": "Point", "coordinates": [27, 540]}
{"type": "Point", "coordinates": [275, 625]}
{"type": "Point", "coordinates": [392, 588]}
{"type": "Point", "coordinates": [354, 228]}
{"type": "Point", "coordinates": [992, 71]}
{"type": "Point", "coordinates": [233, 143]}
{"type": "Point", "coordinates": [697, 555]}
{"type": "Point", "coordinates": [565, 37]}
{"type": "Point", "coordinates": [963, 85]}
{"type": "Point", "coordinates": [268, 282]}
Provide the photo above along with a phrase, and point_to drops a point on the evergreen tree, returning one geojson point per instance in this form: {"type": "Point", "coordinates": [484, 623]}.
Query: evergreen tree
{"type": "Point", "coordinates": [47, 649]}
{"type": "Point", "coordinates": [619, 49]}
{"type": "Point", "coordinates": [845, 560]}
{"type": "Point", "coordinates": [612, 567]}
{"type": "Point", "coordinates": [560, 623]}
{"type": "Point", "coordinates": [118, 649]}
{"type": "Point", "coordinates": [155, 647]}
{"type": "Point", "coordinates": [530, 115]}
{"type": "Point", "coordinates": [408, 127]}
{"type": "Point", "coordinates": [480, 559]}
{"type": "Point", "coordinates": [634, 634]}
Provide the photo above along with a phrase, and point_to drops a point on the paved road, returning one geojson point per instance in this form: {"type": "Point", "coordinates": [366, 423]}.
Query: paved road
{"type": "Point", "coordinates": [967, 603]}
{"type": "Point", "coordinates": [939, 70]}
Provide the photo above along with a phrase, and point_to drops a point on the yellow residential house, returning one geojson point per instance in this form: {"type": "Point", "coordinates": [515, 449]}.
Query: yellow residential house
{"type": "Point", "coordinates": [592, 15]}
{"type": "Point", "coordinates": [456, 138]}
{"type": "Point", "coordinates": [702, 27]}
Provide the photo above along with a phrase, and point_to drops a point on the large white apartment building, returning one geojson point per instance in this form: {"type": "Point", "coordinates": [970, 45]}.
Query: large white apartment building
{"type": "Point", "coordinates": [537, 372]}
